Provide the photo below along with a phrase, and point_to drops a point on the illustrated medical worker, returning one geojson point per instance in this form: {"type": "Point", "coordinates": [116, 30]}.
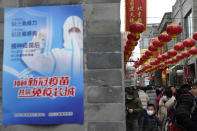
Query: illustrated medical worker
{"type": "Point", "coordinates": [60, 61]}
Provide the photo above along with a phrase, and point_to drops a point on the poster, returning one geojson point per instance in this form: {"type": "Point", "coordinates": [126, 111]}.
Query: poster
{"type": "Point", "coordinates": [135, 12]}
{"type": "Point", "coordinates": [43, 65]}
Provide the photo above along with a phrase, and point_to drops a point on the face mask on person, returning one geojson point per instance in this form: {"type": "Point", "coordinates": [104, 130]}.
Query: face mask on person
{"type": "Point", "coordinates": [130, 98]}
{"type": "Point", "coordinates": [150, 112]}
{"type": "Point", "coordinates": [164, 98]}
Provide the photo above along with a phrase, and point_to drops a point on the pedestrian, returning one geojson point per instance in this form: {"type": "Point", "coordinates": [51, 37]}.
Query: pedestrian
{"type": "Point", "coordinates": [151, 94]}
{"type": "Point", "coordinates": [143, 97]}
{"type": "Point", "coordinates": [133, 109]}
{"type": "Point", "coordinates": [165, 103]}
{"type": "Point", "coordinates": [149, 121]}
{"type": "Point", "coordinates": [135, 89]}
{"type": "Point", "coordinates": [158, 99]}
{"type": "Point", "coordinates": [186, 111]}
{"type": "Point", "coordinates": [158, 90]}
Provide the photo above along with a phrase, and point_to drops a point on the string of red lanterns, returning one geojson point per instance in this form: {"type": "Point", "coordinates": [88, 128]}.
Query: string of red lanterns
{"type": "Point", "coordinates": [172, 56]}
{"type": "Point", "coordinates": [133, 37]}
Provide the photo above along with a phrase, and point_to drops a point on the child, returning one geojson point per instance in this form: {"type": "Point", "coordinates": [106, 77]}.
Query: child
{"type": "Point", "coordinates": [148, 121]}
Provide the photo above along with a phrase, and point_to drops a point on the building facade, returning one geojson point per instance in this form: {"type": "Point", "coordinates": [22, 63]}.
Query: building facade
{"type": "Point", "coordinates": [184, 13]}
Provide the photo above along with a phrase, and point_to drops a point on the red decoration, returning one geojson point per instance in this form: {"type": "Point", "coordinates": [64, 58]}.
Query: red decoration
{"type": "Point", "coordinates": [180, 56]}
{"type": "Point", "coordinates": [148, 53]}
{"type": "Point", "coordinates": [166, 56]}
{"type": "Point", "coordinates": [152, 48]}
{"type": "Point", "coordinates": [193, 51]}
{"type": "Point", "coordinates": [162, 65]}
{"type": "Point", "coordinates": [157, 61]}
{"type": "Point", "coordinates": [136, 43]}
{"type": "Point", "coordinates": [150, 78]}
{"type": "Point", "coordinates": [195, 36]}
{"type": "Point", "coordinates": [174, 30]}
{"type": "Point", "coordinates": [175, 60]}
{"type": "Point", "coordinates": [152, 63]}
{"type": "Point", "coordinates": [132, 76]}
{"type": "Point", "coordinates": [133, 37]}
{"type": "Point", "coordinates": [189, 43]}
{"type": "Point", "coordinates": [164, 37]}
{"type": "Point", "coordinates": [186, 54]}
{"type": "Point", "coordinates": [137, 28]}
{"type": "Point", "coordinates": [172, 53]}
{"type": "Point", "coordinates": [127, 48]}
{"type": "Point", "coordinates": [179, 47]}
{"type": "Point", "coordinates": [157, 43]}
{"type": "Point", "coordinates": [160, 58]}
{"type": "Point", "coordinates": [129, 43]}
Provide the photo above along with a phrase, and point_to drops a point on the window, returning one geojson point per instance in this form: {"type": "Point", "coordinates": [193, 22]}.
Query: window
{"type": "Point", "coordinates": [189, 24]}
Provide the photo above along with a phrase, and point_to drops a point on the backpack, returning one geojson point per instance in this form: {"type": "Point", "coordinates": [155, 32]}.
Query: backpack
{"type": "Point", "coordinates": [170, 123]}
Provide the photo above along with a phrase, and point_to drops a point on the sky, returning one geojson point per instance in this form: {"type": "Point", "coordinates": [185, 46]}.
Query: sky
{"type": "Point", "coordinates": [155, 12]}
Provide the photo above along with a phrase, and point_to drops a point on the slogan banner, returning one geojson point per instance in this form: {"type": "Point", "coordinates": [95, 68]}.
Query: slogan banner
{"type": "Point", "coordinates": [135, 12]}
{"type": "Point", "coordinates": [43, 65]}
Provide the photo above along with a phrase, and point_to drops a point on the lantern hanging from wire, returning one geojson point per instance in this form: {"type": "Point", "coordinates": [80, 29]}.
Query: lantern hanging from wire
{"type": "Point", "coordinates": [195, 36]}
{"type": "Point", "coordinates": [189, 43]}
{"type": "Point", "coordinates": [158, 44]}
{"type": "Point", "coordinates": [174, 30]}
{"type": "Point", "coordinates": [133, 37]}
{"type": "Point", "coordinates": [172, 53]}
{"type": "Point", "coordinates": [186, 54]}
{"type": "Point", "coordinates": [193, 51]}
{"type": "Point", "coordinates": [136, 28]}
{"type": "Point", "coordinates": [165, 38]}
{"type": "Point", "coordinates": [179, 47]}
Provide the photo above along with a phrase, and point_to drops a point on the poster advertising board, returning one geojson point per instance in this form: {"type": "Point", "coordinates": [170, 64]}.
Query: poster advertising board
{"type": "Point", "coordinates": [43, 65]}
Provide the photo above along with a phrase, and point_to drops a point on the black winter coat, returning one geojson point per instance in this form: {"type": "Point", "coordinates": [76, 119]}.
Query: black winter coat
{"type": "Point", "coordinates": [148, 123]}
{"type": "Point", "coordinates": [183, 112]}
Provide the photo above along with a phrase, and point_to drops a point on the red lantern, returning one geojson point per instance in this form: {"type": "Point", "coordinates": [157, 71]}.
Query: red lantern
{"type": "Point", "coordinates": [172, 53]}
{"type": "Point", "coordinates": [195, 36]}
{"type": "Point", "coordinates": [157, 61]}
{"type": "Point", "coordinates": [150, 78]}
{"type": "Point", "coordinates": [128, 43]}
{"type": "Point", "coordinates": [165, 38]}
{"type": "Point", "coordinates": [180, 56]}
{"type": "Point", "coordinates": [186, 54]}
{"type": "Point", "coordinates": [160, 58]}
{"type": "Point", "coordinates": [179, 47]}
{"type": "Point", "coordinates": [132, 76]}
{"type": "Point", "coordinates": [189, 43]}
{"type": "Point", "coordinates": [157, 43]}
{"type": "Point", "coordinates": [136, 43]}
{"type": "Point", "coordinates": [152, 48]}
{"type": "Point", "coordinates": [170, 61]}
{"type": "Point", "coordinates": [162, 65]}
{"type": "Point", "coordinates": [148, 66]}
{"type": "Point", "coordinates": [166, 56]}
{"type": "Point", "coordinates": [137, 28]}
{"type": "Point", "coordinates": [148, 53]}
{"type": "Point", "coordinates": [175, 60]}
{"type": "Point", "coordinates": [133, 37]}
{"type": "Point", "coordinates": [127, 48]}
{"type": "Point", "coordinates": [174, 30]}
{"type": "Point", "coordinates": [152, 63]}
{"type": "Point", "coordinates": [193, 51]}
{"type": "Point", "coordinates": [144, 57]}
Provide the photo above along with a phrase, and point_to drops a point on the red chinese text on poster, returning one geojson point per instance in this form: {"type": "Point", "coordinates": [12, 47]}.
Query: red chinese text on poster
{"type": "Point", "coordinates": [135, 12]}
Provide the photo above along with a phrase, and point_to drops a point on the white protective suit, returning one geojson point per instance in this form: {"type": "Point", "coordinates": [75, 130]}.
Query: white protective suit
{"type": "Point", "coordinates": [60, 61]}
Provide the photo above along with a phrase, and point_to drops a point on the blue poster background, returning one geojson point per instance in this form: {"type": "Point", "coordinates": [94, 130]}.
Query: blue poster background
{"type": "Point", "coordinates": [21, 25]}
